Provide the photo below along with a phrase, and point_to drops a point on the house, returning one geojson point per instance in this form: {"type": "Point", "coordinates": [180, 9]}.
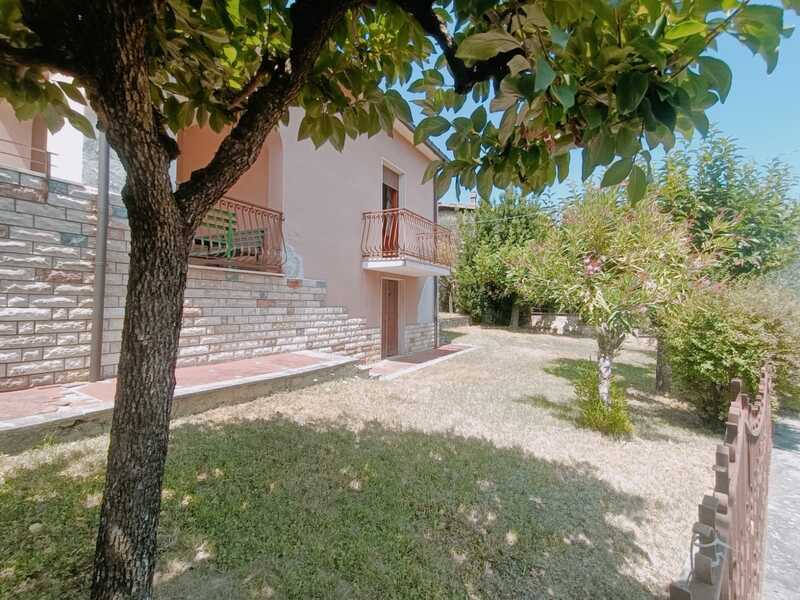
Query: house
{"type": "Point", "coordinates": [311, 249]}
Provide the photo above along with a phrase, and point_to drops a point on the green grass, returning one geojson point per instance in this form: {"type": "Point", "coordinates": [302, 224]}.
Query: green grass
{"type": "Point", "coordinates": [275, 509]}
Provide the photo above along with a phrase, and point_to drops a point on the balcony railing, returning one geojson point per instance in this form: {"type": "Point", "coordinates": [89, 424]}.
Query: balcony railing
{"type": "Point", "coordinates": [239, 235]}
{"type": "Point", "coordinates": [400, 233]}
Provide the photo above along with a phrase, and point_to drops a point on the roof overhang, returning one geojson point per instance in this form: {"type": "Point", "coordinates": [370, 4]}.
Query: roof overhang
{"type": "Point", "coordinates": [427, 148]}
{"type": "Point", "coordinates": [410, 267]}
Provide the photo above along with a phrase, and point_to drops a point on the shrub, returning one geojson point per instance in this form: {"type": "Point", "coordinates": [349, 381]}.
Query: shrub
{"type": "Point", "coordinates": [731, 332]}
{"type": "Point", "coordinates": [611, 420]}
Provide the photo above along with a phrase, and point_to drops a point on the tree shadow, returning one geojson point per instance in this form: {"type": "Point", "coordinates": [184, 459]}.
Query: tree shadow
{"type": "Point", "coordinates": [630, 376]}
{"type": "Point", "coordinates": [647, 411]}
{"type": "Point", "coordinates": [275, 509]}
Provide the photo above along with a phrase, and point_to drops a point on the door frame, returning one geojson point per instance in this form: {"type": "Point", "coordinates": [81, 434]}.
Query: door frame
{"type": "Point", "coordinates": [400, 315]}
{"type": "Point", "coordinates": [401, 176]}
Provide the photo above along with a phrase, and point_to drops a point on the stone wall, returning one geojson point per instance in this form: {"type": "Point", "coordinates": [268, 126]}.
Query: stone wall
{"type": "Point", "coordinates": [46, 280]}
{"type": "Point", "coordinates": [419, 336]}
{"type": "Point", "coordinates": [47, 241]}
{"type": "Point", "coordinates": [559, 324]}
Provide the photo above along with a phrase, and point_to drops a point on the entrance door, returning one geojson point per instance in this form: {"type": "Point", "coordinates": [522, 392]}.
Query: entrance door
{"type": "Point", "coordinates": [389, 317]}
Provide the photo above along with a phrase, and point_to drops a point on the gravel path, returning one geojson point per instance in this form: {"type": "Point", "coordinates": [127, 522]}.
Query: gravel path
{"type": "Point", "coordinates": [782, 576]}
{"type": "Point", "coordinates": [515, 391]}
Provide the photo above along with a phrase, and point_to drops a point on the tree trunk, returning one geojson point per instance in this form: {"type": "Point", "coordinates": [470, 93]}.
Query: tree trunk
{"type": "Point", "coordinates": [608, 344]}
{"type": "Point", "coordinates": [663, 370]}
{"type": "Point", "coordinates": [514, 321]}
{"type": "Point", "coordinates": [126, 543]}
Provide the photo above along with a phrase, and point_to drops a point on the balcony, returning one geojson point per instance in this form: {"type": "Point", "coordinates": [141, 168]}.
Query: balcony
{"type": "Point", "coordinates": [404, 243]}
{"type": "Point", "coordinates": [239, 235]}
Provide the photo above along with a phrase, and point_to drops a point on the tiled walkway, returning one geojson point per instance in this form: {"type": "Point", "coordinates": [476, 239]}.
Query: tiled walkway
{"type": "Point", "coordinates": [41, 405]}
{"type": "Point", "coordinates": [400, 365]}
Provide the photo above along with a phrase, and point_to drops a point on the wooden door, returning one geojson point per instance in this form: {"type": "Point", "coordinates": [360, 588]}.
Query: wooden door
{"type": "Point", "coordinates": [389, 317]}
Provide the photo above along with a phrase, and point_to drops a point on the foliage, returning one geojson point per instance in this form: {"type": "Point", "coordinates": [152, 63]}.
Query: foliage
{"type": "Point", "coordinates": [608, 261]}
{"type": "Point", "coordinates": [611, 420]}
{"type": "Point", "coordinates": [616, 79]}
{"type": "Point", "coordinates": [483, 283]}
{"type": "Point", "coordinates": [721, 195]}
{"type": "Point", "coordinates": [597, 75]}
{"type": "Point", "coordinates": [731, 331]}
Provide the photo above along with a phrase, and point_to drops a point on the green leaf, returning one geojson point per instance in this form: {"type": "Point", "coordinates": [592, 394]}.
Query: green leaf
{"type": "Point", "coordinates": [441, 183]}
{"type": "Point", "coordinates": [307, 127]}
{"type": "Point", "coordinates": [485, 181]}
{"type": "Point", "coordinates": [399, 106]}
{"type": "Point", "coordinates": [431, 126]}
{"type": "Point", "coordinates": [81, 123]}
{"type": "Point", "coordinates": [507, 124]}
{"type": "Point", "coordinates": [565, 94]}
{"type": "Point", "coordinates": [718, 74]}
{"type": "Point", "coordinates": [559, 36]}
{"type": "Point", "coordinates": [478, 118]}
{"type": "Point", "coordinates": [337, 134]}
{"type": "Point", "coordinates": [562, 166]}
{"type": "Point", "coordinates": [431, 170]}
{"type": "Point", "coordinates": [631, 88]}
{"type": "Point", "coordinates": [617, 172]}
{"type": "Point", "coordinates": [483, 46]}
{"type": "Point", "coordinates": [544, 74]}
{"type": "Point", "coordinates": [637, 184]}
{"type": "Point", "coordinates": [685, 29]}
{"type": "Point", "coordinates": [73, 91]}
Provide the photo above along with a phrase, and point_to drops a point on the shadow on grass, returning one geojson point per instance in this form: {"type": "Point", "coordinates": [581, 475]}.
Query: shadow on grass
{"type": "Point", "coordinates": [639, 382]}
{"type": "Point", "coordinates": [275, 509]}
{"type": "Point", "coordinates": [637, 377]}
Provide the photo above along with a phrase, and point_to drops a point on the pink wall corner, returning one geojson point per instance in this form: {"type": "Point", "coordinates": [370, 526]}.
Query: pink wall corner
{"type": "Point", "coordinates": [328, 191]}
{"type": "Point", "coordinates": [23, 143]}
{"type": "Point", "coordinates": [261, 185]}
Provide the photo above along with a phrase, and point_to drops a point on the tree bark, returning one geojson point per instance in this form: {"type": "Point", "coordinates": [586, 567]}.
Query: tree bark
{"type": "Point", "coordinates": [125, 553]}
{"type": "Point", "coordinates": [608, 344]}
{"type": "Point", "coordinates": [663, 370]}
{"type": "Point", "coordinates": [514, 321]}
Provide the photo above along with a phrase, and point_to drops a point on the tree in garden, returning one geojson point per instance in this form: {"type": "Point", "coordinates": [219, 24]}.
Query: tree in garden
{"type": "Point", "coordinates": [596, 75]}
{"type": "Point", "coordinates": [612, 263]}
{"type": "Point", "coordinates": [719, 193]}
{"type": "Point", "coordinates": [486, 290]}
{"type": "Point", "coordinates": [743, 209]}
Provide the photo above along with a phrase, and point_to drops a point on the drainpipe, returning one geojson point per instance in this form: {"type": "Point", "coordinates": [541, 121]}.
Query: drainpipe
{"type": "Point", "coordinates": [98, 307]}
{"type": "Point", "coordinates": [435, 280]}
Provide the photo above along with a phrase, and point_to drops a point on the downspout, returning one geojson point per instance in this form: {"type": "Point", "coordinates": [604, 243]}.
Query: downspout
{"type": "Point", "coordinates": [435, 280]}
{"type": "Point", "coordinates": [101, 246]}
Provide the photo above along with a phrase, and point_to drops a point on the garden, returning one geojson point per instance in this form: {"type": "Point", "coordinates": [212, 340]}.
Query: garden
{"type": "Point", "coordinates": [471, 477]}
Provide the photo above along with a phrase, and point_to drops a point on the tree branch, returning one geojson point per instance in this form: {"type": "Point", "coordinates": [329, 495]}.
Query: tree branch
{"type": "Point", "coordinates": [465, 77]}
{"type": "Point", "coordinates": [34, 57]}
{"type": "Point", "coordinates": [313, 22]}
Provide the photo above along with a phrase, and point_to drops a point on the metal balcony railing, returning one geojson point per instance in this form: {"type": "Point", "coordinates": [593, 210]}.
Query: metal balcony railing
{"type": "Point", "coordinates": [239, 235]}
{"type": "Point", "coordinates": [400, 233]}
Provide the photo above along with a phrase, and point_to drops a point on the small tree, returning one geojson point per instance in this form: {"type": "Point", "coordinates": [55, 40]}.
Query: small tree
{"type": "Point", "coordinates": [610, 262]}
{"type": "Point", "coordinates": [485, 289]}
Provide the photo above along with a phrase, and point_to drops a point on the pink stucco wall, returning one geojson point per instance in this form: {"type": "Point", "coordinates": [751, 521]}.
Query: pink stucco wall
{"type": "Point", "coordinates": [326, 193]}
{"type": "Point", "coordinates": [17, 138]}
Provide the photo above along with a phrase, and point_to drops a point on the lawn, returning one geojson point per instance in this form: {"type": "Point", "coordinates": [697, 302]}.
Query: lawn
{"type": "Point", "coordinates": [469, 479]}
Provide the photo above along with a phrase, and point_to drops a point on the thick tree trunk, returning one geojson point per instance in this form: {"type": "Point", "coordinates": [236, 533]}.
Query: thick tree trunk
{"type": "Point", "coordinates": [125, 554]}
{"type": "Point", "coordinates": [514, 321]}
{"type": "Point", "coordinates": [663, 370]}
{"type": "Point", "coordinates": [608, 344]}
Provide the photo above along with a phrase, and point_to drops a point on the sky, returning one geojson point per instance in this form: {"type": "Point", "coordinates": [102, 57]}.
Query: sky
{"type": "Point", "coordinates": [762, 111]}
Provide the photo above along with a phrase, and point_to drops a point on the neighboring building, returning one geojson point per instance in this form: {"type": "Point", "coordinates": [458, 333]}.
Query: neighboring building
{"type": "Point", "coordinates": [311, 249]}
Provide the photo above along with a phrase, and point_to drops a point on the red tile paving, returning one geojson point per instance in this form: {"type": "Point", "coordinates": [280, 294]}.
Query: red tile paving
{"type": "Point", "coordinates": [83, 397]}
{"type": "Point", "coordinates": [397, 365]}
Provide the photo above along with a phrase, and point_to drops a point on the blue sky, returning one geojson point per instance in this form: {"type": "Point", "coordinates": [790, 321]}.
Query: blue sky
{"type": "Point", "coordinates": [762, 111]}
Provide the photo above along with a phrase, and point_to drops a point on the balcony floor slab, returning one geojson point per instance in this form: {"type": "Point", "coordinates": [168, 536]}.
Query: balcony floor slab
{"type": "Point", "coordinates": [409, 267]}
